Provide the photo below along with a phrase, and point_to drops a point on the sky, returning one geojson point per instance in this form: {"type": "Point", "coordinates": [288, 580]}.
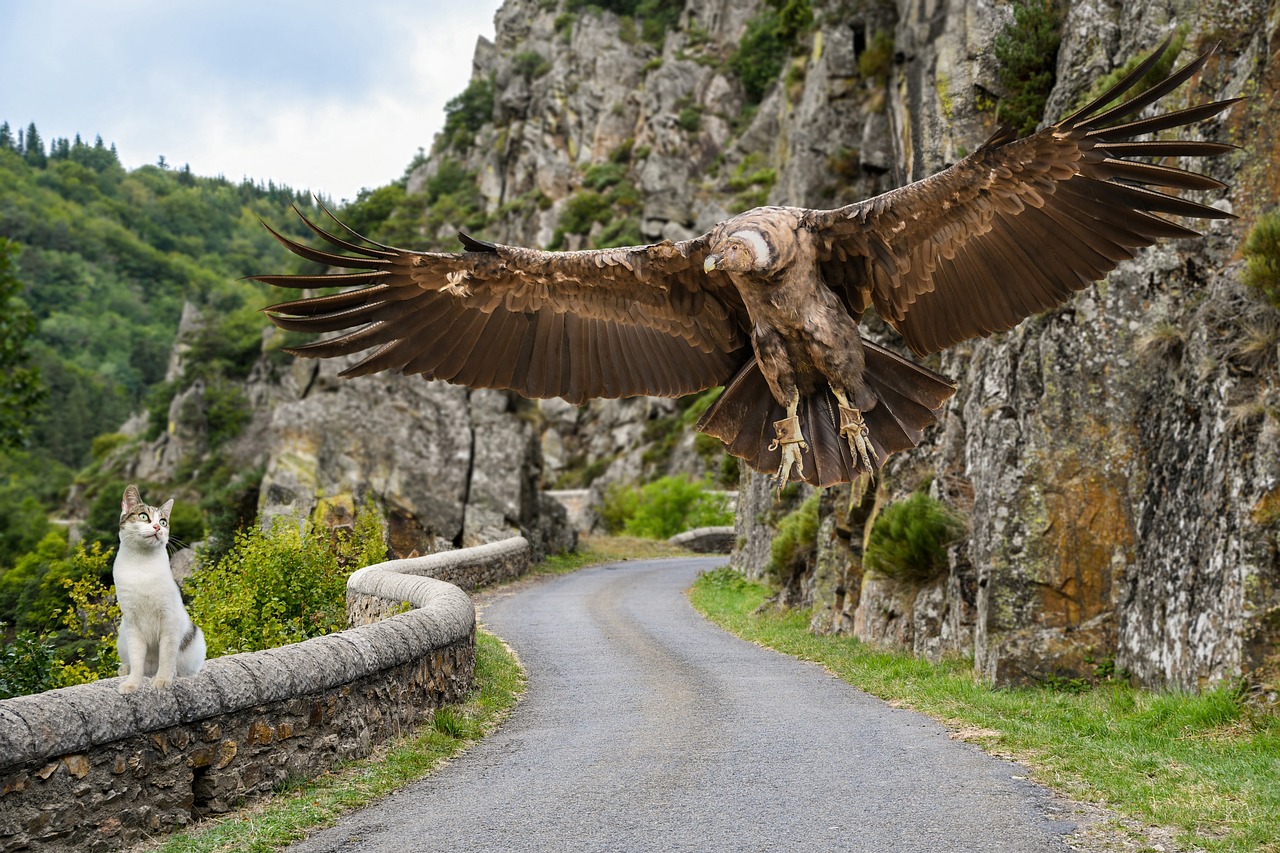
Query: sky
{"type": "Point", "coordinates": [323, 95]}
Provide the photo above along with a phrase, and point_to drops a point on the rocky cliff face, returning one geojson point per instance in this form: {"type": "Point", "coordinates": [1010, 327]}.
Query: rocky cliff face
{"type": "Point", "coordinates": [1114, 460]}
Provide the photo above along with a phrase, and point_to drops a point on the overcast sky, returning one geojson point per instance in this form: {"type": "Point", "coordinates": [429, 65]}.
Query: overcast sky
{"type": "Point", "coordinates": [326, 95]}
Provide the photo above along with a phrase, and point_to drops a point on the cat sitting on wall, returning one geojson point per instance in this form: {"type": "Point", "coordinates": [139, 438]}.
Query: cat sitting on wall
{"type": "Point", "coordinates": [157, 637]}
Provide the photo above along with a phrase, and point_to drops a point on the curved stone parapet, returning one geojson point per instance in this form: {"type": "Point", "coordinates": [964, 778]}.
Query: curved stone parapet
{"type": "Point", "coordinates": [85, 768]}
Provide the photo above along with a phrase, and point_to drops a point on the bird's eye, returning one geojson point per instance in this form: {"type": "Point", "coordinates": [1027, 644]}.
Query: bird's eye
{"type": "Point", "coordinates": [142, 516]}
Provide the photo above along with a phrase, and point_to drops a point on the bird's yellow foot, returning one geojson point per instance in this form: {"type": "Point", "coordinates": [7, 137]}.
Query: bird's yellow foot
{"type": "Point", "coordinates": [791, 440]}
{"type": "Point", "coordinates": [855, 431]}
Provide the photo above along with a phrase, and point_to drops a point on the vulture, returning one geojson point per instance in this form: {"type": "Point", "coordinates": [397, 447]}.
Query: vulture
{"type": "Point", "coordinates": [768, 302]}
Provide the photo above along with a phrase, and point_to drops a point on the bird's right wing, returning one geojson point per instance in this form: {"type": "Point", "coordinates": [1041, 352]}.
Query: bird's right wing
{"type": "Point", "coordinates": [578, 325]}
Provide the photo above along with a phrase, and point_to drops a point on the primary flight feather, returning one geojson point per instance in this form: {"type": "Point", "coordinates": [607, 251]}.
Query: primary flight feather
{"type": "Point", "coordinates": [767, 303]}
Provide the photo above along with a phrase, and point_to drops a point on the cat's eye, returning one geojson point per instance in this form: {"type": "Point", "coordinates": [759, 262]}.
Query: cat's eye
{"type": "Point", "coordinates": [142, 516]}
{"type": "Point", "coordinates": [164, 522]}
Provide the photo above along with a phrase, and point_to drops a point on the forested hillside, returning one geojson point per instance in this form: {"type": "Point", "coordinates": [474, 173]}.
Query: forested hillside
{"type": "Point", "coordinates": [104, 260]}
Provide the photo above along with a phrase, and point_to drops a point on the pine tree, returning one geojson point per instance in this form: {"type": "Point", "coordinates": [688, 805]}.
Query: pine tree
{"type": "Point", "coordinates": [6, 137]}
{"type": "Point", "coordinates": [33, 149]}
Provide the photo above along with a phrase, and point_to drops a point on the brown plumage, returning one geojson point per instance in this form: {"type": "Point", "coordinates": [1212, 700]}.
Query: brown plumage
{"type": "Point", "coordinates": [767, 303]}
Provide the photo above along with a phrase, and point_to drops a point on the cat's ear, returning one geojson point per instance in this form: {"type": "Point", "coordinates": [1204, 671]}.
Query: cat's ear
{"type": "Point", "coordinates": [164, 510]}
{"type": "Point", "coordinates": [131, 499]}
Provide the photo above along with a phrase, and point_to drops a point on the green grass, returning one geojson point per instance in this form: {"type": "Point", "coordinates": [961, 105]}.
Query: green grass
{"type": "Point", "coordinates": [311, 804]}
{"type": "Point", "coordinates": [1205, 765]}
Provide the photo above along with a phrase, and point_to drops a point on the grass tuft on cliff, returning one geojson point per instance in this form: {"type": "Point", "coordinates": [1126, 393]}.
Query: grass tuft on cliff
{"type": "Point", "coordinates": [1203, 765]}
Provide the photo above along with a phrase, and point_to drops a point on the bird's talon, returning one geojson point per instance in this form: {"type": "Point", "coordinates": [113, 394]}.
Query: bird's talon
{"type": "Point", "coordinates": [855, 431]}
{"type": "Point", "coordinates": [791, 440]}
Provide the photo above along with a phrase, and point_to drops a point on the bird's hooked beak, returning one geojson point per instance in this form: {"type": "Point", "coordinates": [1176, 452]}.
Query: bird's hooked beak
{"type": "Point", "coordinates": [709, 265]}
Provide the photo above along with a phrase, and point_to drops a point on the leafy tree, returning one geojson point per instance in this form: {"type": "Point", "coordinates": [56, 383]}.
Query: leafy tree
{"type": "Point", "coordinates": [20, 387]}
{"type": "Point", "coordinates": [465, 114]}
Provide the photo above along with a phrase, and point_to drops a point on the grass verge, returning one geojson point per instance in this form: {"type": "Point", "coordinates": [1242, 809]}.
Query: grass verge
{"type": "Point", "coordinates": [1203, 765]}
{"type": "Point", "coordinates": [297, 809]}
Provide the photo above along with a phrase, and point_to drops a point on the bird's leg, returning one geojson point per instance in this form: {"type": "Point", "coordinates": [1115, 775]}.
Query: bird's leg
{"type": "Point", "coordinates": [855, 431]}
{"type": "Point", "coordinates": [792, 442]}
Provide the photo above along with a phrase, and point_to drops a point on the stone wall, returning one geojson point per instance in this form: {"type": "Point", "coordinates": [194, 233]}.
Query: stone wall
{"type": "Point", "coordinates": [85, 768]}
{"type": "Point", "coordinates": [376, 592]}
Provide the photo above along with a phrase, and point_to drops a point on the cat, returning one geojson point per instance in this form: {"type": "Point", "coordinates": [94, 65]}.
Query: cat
{"type": "Point", "coordinates": [157, 637]}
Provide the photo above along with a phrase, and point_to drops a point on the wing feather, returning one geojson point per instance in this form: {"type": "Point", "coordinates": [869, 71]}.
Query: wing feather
{"type": "Point", "coordinates": [607, 323]}
{"type": "Point", "coordinates": [1020, 224]}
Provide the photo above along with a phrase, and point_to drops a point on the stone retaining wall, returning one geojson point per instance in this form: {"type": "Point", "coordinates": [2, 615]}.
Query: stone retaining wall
{"type": "Point", "coordinates": [85, 768]}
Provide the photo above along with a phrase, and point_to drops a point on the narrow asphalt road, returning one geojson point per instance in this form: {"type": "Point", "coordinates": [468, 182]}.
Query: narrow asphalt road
{"type": "Point", "coordinates": [647, 728]}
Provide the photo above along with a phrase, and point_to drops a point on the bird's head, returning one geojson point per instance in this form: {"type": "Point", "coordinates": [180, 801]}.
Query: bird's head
{"type": "Point", "coordinates": [743, 251]}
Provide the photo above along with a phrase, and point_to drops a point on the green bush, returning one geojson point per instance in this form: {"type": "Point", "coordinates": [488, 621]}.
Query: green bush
{"type": "Point", "coordinates": [909, 540]}
{"type": "Point", "coordinates": [465, 114]}
{"type": "Point", "coordinates": [282, 587]}
{"type": "Point", "coordinates": [29, 664]}
{"type": "Point", "coordinates": [877, 58]}
{"type": "Point", "coordinates": [665, 507]}
{"type": "Point", "coordinates": [796, 540]}
{"type": "Point", "coordinates": [1027, 53]}
{"type": "Point", "coordinates": [1262, 258]}
{"type": "Point", "coordinates": [530, 64]}
{"type": "Point", "coordinates": [768, 41]}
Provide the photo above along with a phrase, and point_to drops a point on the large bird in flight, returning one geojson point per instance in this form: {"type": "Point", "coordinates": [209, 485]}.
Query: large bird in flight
{"type": "Point", "coordinates": [767, 303]}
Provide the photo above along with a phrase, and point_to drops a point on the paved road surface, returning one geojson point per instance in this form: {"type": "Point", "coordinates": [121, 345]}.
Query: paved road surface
{"type": "Point", "coordinates": [647, 728]}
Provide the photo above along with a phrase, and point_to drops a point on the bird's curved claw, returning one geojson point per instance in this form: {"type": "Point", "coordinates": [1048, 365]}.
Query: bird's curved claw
{"type": "Point", "coordinates": [791, 440]}
{"type": "Point", "coordinates": [854, 429]}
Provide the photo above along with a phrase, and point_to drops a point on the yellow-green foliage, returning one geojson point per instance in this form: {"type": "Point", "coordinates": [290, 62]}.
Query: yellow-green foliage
{"type": "Point", "coordinates": [85, 649]}
{"type": "Point", "coordinates": [1262, 256]}
{"type": "Point", "coordinates": [796, 540]}
{"type": "Point", "coordinates": [909, 539]}
{"type": "Point", "coordinates": [877, 58]}
{"type": "Point", "coordinates": [665, 507]}
{"type": "Point", "coordinates": [282, 587]}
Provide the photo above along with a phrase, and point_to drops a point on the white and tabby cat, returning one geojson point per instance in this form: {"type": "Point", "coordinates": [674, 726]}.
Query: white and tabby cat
{"type": "Point", "coordinates": [157, 637]}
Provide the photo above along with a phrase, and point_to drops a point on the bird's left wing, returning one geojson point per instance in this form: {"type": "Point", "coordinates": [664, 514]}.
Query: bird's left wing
{"type": "Point", "coordinates": [1019, 225]}
{"type": "Point", "coordinates": [578, 325]}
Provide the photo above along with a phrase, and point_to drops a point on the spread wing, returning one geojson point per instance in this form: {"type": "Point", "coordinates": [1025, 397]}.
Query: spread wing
{"type": "Point", "coordinates": [1019, 225]}
{"type": "Point", "coordinates": [607, 323]}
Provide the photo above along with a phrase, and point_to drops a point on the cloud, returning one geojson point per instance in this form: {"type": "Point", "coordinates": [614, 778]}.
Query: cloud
{"type": "Point", "coordinates": [328, 96]}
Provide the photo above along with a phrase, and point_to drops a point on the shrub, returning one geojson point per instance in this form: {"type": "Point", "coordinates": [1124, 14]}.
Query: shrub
{"type": "Point", "coordinates": [796, 540]}
{"type": "Point", "coordinates": [665, 507]}
{"type": "Point", "coordinates": [1027, 52]}
{"type": "Point", "coordinates": [876, 60]}
{"type": "Point", "coordinates": [909, 539]}
{"type": "Point", "coordinates": [282, 587]}
{"type": "Point", "coordinates": [768, 40]}
{"type": "Point", "coordinates": [1262, 258]}
{"type": "Point", "coordinates": [29, 665]}
{"type": "Point", "coordinates": [530, 64]}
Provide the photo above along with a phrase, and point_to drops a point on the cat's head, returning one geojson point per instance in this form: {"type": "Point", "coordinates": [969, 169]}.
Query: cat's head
{"type": "Point", "coordinates": [142, 525]}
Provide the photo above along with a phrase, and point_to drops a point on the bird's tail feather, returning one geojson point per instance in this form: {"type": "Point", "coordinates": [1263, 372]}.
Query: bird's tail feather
{"type": "Point", "coordinates": [909, 398]}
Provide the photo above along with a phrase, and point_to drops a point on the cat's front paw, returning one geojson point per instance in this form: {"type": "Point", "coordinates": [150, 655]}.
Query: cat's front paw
{"type": "Point", "coordinates": [130, 686]}
{"type": "Point", "coordinates": [160, 682]}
